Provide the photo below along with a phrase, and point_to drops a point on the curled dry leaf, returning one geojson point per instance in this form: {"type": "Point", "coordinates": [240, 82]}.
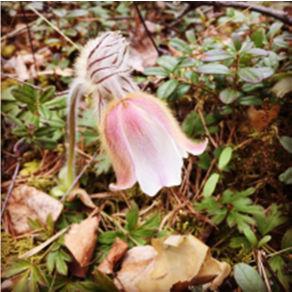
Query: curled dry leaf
{"type": "Point", "coordinates": [138, 262]}
{"type": "Point", "coordinates": [142, 52]}
{"type": "Point", "coordinates": [30, 203]}
{"type": "Point", "coordinates": [171, 264]}
{"type": "Point", "coordinates": [262, 118]}
{"type": "Point", "coordinates": [80, 241]}
{"type": "Point", "coordinates": [115, 254]}
{"type": "Point", "coordinates": [83, 196]}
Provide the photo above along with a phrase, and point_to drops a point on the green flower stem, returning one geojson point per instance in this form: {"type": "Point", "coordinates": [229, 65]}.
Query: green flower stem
{"type": "Point", "coordinates": [73, 98]}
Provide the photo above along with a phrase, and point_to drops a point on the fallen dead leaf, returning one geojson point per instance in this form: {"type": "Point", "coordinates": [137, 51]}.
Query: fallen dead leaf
{"type": "Point", "coordinates": [142, 51]}
{"type": "Point", "coordinates": [30, 203]}
{"type": "Point", "coordinates": [80, 241]}
{"type": "Point", "coordinates": [83, 196]}
{"type": "Point", "coordinates": [171, 264]}
{"type": "Point", "coordinates": [138, 262]}
{"type": "Point", "coordinates": [115, 254]}
{"type": "Point", "coordinates": [262, 118]}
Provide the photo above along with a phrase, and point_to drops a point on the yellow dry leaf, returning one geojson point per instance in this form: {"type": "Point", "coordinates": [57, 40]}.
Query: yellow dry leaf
{"type": "Point", "coordinates": [171, 264]}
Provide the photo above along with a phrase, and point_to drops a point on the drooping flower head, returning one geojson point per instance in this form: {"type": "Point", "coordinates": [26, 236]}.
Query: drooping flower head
{"type": "Point", "coordinates": [103, 67]}
{"type": "Point", "coordinates": [145, 143]}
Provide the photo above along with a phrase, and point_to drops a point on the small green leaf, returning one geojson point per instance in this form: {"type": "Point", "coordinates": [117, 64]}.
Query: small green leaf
{"type": "Point", "coordinates": [275, 29]}
{"type": "Point", "coordinates": [286, 142]}
{"type": "Point", "coordinates": [255, 75]}
{"type": "Point", "coordinates": [258, 37]}
{"type": "Point", "coordinates": [180, 45]}
{"type": "Point", "coordinates": [213, 69]}
{"type": "Point", "coordinates": [286, 176]}
{"type": "Point", "coordinates": [216, 55]}
{"type": "Point", "coordinates": [132, 218]}
{"type": "Point", "coordinates": [250, 100]}
{"type": "Point", "coordinates": [104, 282]}
{"type": "Point", "coordinates": [210, 185]}
{"type": "Point", "coordinates": [156, 71]}
{"type": "Point", "coordinates": [248, 278]}
{"type": "Point", "coordinates": [229, 95]}
{"type": "Point", "coordinates": [167, 62]}
{"type": "Point", "coordinates": [16, 268]}
{"type": "Point", "coordinates": [264, 240]}
{"type": "Point", "coordinates": [225, 157]}
{"type": "Point", "coordinates": [286, 241]}
{"type": "Point", "coordinates": [167, 89]}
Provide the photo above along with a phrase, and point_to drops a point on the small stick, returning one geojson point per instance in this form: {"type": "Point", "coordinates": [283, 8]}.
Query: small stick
{"type": "Point", "coordinates": [40, 247]}
{"type": "Point", "coordinates": [54, 27]}
{"type": "Point", "coordinates": [146, 28]}
{"type": "Point", "coordinates": [16, 170]}
{"type": "Point", "coordinates": [29, 39]}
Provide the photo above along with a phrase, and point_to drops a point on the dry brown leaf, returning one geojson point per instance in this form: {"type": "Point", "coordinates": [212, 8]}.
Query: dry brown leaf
{"type": "Point", "coordinates": [115, 254]}
{"type": "Point", "coordinates": [83, 196]}
{"type": "Point", "coordinates": [80, 241]}
{"type": "Point", "coordinates": [142, 52]}
{"type": "Point", "coordinates": [179, 262]}
{"type": "Point", "coordinates": [30, 203]}
{"type": "Point", "coordinates": [261, 119]}
{"type": "Point", "coordinates": [138, 262]}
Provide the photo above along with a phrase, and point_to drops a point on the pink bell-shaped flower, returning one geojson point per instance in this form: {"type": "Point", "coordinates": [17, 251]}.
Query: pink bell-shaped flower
{"type": "Point", "coordinates": [145, 143]}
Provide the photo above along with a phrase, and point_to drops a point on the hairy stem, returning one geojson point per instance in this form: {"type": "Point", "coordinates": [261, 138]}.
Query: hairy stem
{"type": "Point", "coordinates": [73, 98]}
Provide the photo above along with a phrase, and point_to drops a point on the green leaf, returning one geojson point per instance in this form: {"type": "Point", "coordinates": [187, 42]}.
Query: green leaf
{"type": "Point", "coordinates": [213, 69]}
{"type": "Point", "coordinates": [286, 241]}
{"type": "Point", "coordinates": [61, 266]}
{"type": "Point", "coordinates": [109, 237]}
{"type": "Point", "coordinates": [180, 45]}
{"type": "Point", "coordinates": [25, 94]}
{"type": "Point", "coordinates": [270, 220]}
{"type": "Point", "coordinates": [286, 142]}
{"type": "Point", "coordinates": [190, 35]}
{"type": "Point", "coordinates": [225, 157]}
{"type": "Point", "coordinates": [104, 282]}
{"type": "Point", "coordinates": [255, 75]}
{"type": "Point", "coordinates": [279, 266]}
{"type": "Point", "coordinates": [132, 218]}
{"type": "Point", "coordinates": [250, 100]}
{"type": "Point", "coordinates": [248, 278]}
{"type": "Point", "coordinates": [210, 184]}
{"type": "Point", "coordinates": [258, 37]}
{"type": "Point", "coordinates": [275, 29]}
{"type": "Point", "coordinates": [48, 94]}
{"type": "Point", "coordinates": [167, 89]}
{"type": "Point", "coordinates": [167, 62]}
{"type": "Point", "coordinates": [229, 95]}
{"type": "Point", "coordinates": [16, 268]}
{"type": "Point", "coordinates": [216, 55]}
{"type": "Point", "coordinates": [264, 240]}
{"type": "Point", "coordinates": [286, 176]}
{"type": "Point", "coordinates": [249, 234]}
{"type": "Point", "coordinates": [156, 71]}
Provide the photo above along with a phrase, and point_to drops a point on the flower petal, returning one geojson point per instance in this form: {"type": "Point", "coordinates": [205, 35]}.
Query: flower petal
{"type": "Point", "coordinates": [117, 148]}
{"type": "Point", "coordinates": [154, 153]}
{"type": "Point", "coordinates": [160, 112]}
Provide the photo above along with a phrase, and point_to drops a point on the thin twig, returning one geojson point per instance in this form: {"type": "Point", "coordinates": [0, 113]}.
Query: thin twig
{"type": "Point", "coordinates": [54, 27]}
{"type": "Point", "coordinates": [16, 170]}
{"type": "Point", "coordinates": [146, 28]}
{"type": "Point", "coordinates": [280, 15]}
{"type": "Point", "coordinates": [29, 38]}
{"type": "Point", "coordinates": [40, 247]}
{"type": "Point", "coordinates": [11, 186]}
{"type": "Point", "coordinates": [207, 130]}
